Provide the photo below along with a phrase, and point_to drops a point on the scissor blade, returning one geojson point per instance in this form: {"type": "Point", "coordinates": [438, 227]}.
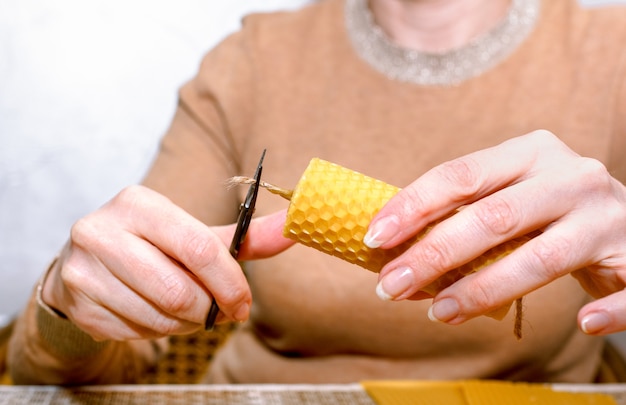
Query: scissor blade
{"type": "Point", "coordinates": [253, 191]}
{"type": "Point", "coordinates": [246, 211]}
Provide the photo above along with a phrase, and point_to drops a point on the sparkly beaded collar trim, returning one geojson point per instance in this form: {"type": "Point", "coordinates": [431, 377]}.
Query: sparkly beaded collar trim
{"type": "Point", "coordinates": [449, 68]}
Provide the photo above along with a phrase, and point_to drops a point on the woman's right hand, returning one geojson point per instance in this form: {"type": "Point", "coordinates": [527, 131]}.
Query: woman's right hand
{"type": "Point", "coordinates": [141, 267]}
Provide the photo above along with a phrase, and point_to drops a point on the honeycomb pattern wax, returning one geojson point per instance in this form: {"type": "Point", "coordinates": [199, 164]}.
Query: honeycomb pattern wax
{"type": "Point", "coordinates": [332, 207]}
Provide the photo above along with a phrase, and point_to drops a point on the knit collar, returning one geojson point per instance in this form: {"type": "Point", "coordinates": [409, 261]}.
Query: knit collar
{"type": "Point", "coordinates": [448, 68]}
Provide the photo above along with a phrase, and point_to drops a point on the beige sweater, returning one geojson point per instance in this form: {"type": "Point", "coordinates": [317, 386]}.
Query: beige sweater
{"type": "Point", "coordinates": [292, 83]}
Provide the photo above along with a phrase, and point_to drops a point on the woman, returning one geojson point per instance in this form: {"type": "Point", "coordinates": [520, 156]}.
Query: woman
{"type": "Point", "coordinates": [392, 89]}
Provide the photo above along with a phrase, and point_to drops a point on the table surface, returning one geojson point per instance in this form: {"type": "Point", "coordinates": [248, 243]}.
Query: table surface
{"type": "Point", "coordinates": [270, 394]}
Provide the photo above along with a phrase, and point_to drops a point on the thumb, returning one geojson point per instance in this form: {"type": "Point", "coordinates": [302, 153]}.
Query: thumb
{"type": "Point", "coordinates": [604, 316]}
{"type": "Point", "coordinates": [264, 238]}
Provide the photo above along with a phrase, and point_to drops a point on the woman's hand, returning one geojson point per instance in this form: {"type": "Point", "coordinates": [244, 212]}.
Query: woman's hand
{"type": "Point", "coordinates": [533, 182]}
{"type": "Point", "coordinates": [141, 267]}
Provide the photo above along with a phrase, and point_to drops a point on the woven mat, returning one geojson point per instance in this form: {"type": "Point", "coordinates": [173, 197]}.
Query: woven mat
{"type": "Point", "coordinates": [348, 394]}
{"type": "Point", "coordinates": [155, 395]}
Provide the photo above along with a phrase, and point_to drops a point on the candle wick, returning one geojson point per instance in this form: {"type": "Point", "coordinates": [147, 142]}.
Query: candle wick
{"type": "Point", "coordinates": [243, 180]}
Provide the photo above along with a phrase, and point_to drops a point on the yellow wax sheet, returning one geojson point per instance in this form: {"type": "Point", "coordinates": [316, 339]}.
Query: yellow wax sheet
{"type": "Point", "coordinates": [476, 392]}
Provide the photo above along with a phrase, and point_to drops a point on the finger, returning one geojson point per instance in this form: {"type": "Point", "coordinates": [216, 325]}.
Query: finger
{"type": "Point", "coordinates": [264, 239]}
{"type": "Point", "coordinates": [109, 309]}
{"type": "Point", "coordinates": [494, 221]}
{"type": "Point", "coordinates": [102, 324]}
{"type": "Point", "coordinates": [604, 316]}
{"type": "Point", "coordinates": [142, 268]}
{"type": "Point", "coordinates": [456, 183]}
{"type": "Point", "coordinates": [558, 251]}
{"type": "Point", "coordinates": [191, 243]}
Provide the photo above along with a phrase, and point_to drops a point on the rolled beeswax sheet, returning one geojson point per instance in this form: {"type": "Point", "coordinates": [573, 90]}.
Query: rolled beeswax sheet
{"type": "Point", "coordinates": [332, 207]}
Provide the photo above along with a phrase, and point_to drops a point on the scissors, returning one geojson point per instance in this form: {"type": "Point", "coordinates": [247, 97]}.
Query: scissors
{"type": "Point", "coordinates": [246, 209]}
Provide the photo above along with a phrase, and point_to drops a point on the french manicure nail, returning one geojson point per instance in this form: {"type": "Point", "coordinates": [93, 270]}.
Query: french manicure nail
{"type": "Point", "coordinates": [444, 310]}
{"type": "Point", "coordinates": [595, 322]}
{"type": "Point", "coordinates": [395, 283]}
{"type": "Point", "coordinates": [381, 231]}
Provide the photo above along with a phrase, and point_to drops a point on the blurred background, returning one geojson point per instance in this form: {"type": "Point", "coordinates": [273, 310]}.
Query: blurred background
{"type": "Point", "coordinates": [87, 88]}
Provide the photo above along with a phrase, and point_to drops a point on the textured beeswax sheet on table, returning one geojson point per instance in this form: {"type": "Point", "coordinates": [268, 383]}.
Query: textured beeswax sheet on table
{"type": "Point", "coordinates": [476, 392]}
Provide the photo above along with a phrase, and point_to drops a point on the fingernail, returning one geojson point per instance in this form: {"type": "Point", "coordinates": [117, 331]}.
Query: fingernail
{"type": "Point", "coordinates": [595, 322]}
{"type": "Point", "coordinates": [444, 310]}
{"type": "Point", "coordinates": [395, 283]}
{"type": "Point", "coordinates": [242, 313]}
{"type": "Point", "coordinates": [381, 231]}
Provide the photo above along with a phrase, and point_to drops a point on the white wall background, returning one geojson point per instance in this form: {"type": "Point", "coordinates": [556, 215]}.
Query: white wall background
{"type": "Point", "coordinates": [87, 88]}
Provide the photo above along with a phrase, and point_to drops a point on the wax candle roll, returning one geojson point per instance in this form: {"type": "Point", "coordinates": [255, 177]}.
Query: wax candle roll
{"type": "Point", "coordinates": [332, 207]}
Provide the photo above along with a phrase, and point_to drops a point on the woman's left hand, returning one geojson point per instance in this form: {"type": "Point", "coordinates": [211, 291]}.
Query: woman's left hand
{"type": "Point", "coordinates": [533, 182]}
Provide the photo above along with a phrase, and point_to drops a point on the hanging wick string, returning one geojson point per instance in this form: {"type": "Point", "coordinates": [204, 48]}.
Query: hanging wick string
{"type": "Point", "coordinates": [519, 318]}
